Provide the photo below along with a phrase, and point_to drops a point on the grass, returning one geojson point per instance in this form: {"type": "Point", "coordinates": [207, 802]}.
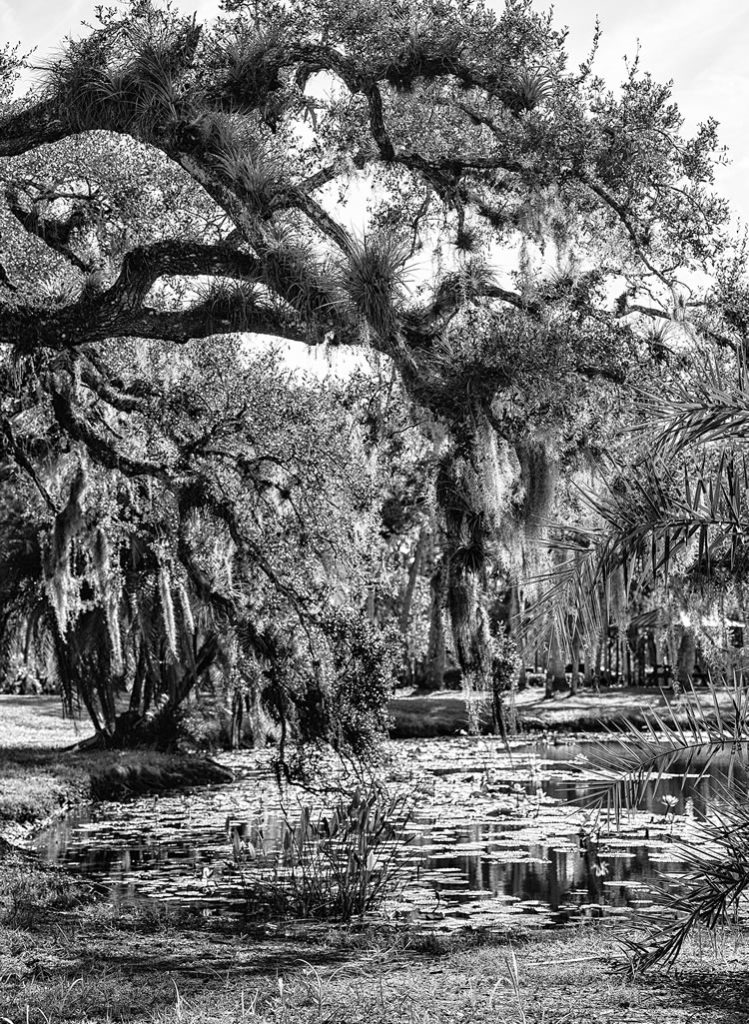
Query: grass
{"type": "Point", "coordinates": [39, 777]}
{"type": "Point", "coordinates": [36, 783]}
{"type": "Point", "coordinates": [95, 963]}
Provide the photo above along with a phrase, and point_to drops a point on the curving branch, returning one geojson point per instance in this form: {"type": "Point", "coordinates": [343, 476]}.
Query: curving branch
{"type": "Point", "coordinates": [29, 125]}
{"type": "Point", "coordinates": [120, 310]}
{"type": "Point", "coordinates": [54, 233]}
{"type": "Point", "coordinates": [74, 424]}
{"type": "Point", "coordinates": [122, 399]}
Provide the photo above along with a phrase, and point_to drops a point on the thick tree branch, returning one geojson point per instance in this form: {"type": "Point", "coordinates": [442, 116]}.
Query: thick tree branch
{"type": "Point", "coordinates": [54, 233]}
{"type": "Point", "coordinates": [74, 424]}
{"type": "Point", "coordinates": [119, 311]}
{"type": "Point", "coordinates": [28, 126]}
{"type": "Point", "coordinates": [23, 461]}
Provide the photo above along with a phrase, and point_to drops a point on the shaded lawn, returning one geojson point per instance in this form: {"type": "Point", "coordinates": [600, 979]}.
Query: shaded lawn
{"type": "Point", "coordinates": [103, 973]}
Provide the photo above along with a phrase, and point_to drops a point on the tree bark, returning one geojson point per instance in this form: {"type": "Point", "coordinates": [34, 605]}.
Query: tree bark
{"type": "Point", "coordinates": [435, 673]}
{"type": "Point", "coordinates": [686, 657]}
{"type": "Point", "coordinates": [556, 677]}
{"type": "Point", "coordinates": [413, 577]}
{"type": "Point", "coordinates": [575, 679]}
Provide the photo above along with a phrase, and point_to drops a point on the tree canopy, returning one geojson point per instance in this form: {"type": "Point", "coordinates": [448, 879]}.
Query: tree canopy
{"type": "Point", "coordinates": [430, 182]}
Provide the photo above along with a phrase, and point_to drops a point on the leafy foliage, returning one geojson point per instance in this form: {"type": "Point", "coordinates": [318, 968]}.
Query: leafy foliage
{"type": "Point", "coordinates": [338, 865]}
{"type": "Point", "coordinates": [451, 134]}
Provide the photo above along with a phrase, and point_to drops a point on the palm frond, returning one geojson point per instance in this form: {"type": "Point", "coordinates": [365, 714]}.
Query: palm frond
{"type": "Point", "coordinates": [707, 894]}
{"type": "Point", "coordinates": [710, 405]}
{"type": "Point", "coordinates": [686, 737]}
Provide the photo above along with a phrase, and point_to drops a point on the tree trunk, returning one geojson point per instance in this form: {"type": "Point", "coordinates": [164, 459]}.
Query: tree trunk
{"type": "Point", "coordinates": [556, 677]}
{"type": "Point", "coordinates": [468, 520]}
{"type": "Point", "coordinates": [652, 657]}
{"type": "Point", "coordinates": [435, 667]}
{"type": "Point", "coordinates": [686, 657]}
{"type": "Point", "coordinates": [575, 679]}
{"type": "Point", "coordinates": [516, 613]}
{"type": "Point", "coordinates": [413, 577]}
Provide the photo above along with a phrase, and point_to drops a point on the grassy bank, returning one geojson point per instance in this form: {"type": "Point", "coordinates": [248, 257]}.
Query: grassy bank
{"type": "Point", "coordinates": [36, 783]}
{"type": "Point", "coordinates": [65, 958]}
{"type": "Point", "coordinates": [39, 777]}
{"type": "Point", "coordinates": [447, 714]}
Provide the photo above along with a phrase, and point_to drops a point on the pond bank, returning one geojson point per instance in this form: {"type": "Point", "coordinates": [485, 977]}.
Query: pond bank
{"type": "Point", "coordinates": [425, 716]}
{"type": "Point", "coordinates": [37, 784]}
{"type": "Point", "coordinates": [40, 778]}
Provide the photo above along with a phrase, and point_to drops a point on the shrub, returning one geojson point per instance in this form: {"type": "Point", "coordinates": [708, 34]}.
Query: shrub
{"type": "Point", "coordinates": [347, 707]}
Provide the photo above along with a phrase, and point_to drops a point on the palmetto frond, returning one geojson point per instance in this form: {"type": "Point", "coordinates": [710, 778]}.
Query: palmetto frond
{"type": "Point", "coordinates": [575, 593]}
{"type": "Point", "coordinates": [656, 515]}
{"type": "Point", "coordinates": [707, 893]}
{"type": "Point", "coordinates": [685, 738]}
{"type": "Point", "coordinates": [712, 405]}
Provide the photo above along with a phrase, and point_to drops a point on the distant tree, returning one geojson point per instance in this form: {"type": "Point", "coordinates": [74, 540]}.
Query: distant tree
{"type": "Point", "coordinates": [459, 134]}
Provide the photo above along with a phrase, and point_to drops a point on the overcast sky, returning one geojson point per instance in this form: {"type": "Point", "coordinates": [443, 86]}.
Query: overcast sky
{"type": "Point", "coordinates": [701, 46]}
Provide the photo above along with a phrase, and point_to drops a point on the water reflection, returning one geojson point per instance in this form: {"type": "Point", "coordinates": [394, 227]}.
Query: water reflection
{"type": "Point", "coordinates": [493, 836]}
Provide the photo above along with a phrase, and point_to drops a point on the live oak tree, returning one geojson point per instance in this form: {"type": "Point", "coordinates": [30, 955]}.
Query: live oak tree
{"type": "Point", "coordinates": [429, 180]}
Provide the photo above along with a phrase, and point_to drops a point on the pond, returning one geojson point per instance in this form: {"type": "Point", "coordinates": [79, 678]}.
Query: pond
{"type": "Point", "coordinates": [495, 836]}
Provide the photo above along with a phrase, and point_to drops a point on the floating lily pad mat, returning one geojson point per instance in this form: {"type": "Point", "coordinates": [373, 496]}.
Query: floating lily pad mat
{"type": "Point", "coordinates": [496, 835]}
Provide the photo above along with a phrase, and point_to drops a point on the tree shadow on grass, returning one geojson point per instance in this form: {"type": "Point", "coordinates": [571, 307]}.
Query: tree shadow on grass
{"type": "Point", "coordinates": [232, 959]}
{"type": "Point", "coordinates": [133, 976]}
{"type": "Point", "coordinates": [723, 992]}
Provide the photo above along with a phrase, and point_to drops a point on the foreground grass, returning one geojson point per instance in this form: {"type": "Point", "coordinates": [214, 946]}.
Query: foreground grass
{"type": "Point", "coordinates": [66, 957]}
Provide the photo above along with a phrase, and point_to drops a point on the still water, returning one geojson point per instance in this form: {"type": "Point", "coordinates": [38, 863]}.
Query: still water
{"type": "Point", "coordinates": [495, 835]}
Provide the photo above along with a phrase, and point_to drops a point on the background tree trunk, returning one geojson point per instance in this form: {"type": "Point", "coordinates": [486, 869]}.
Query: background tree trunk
{"type": "Point", "coordinates": [556, 677]}
{"type": "Point", "coordinates": [686, 657]}
{"type": "Point", "coordinates": [435, 667]}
